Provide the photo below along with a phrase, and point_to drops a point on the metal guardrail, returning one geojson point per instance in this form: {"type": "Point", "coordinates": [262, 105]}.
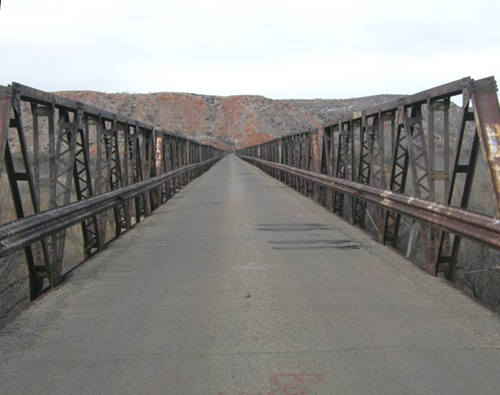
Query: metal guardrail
{"type": "Point", "coordinates": [465, 223]}
{"type": "Point", "coordinates": [26, 231]}
{"type": "Point", "coordinates": [402, 158]}
{"type": "Point", "coordinates": [68, 162]}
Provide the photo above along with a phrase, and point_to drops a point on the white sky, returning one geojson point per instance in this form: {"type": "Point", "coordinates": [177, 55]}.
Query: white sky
{"type": "Point", "coordinates": [275, 48]}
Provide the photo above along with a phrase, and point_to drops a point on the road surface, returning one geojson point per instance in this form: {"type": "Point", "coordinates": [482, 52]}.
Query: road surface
{"type": "Point", "coordinates": [240, 285]}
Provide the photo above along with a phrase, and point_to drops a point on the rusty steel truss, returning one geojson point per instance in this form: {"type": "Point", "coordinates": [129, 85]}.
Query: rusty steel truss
{"type": "Point", "coordinates": [402, 159]}
{"type": "Point", "coordinates": [70, 163]}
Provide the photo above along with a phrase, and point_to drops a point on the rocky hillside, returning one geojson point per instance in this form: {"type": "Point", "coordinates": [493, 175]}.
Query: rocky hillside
{"type": "Point", "coordinates": [228, 122]}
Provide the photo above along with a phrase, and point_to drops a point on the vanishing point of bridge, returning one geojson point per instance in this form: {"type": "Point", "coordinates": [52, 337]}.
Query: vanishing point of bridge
{"type": "Point", "coordinates": [239, 285]}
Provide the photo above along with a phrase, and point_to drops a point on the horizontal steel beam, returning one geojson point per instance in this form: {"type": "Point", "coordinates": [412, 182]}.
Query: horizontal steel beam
{"type": "Point", "coordinates": [30, 94]}
{"type": "Point", "coordinates": [474, 226]}
{"type": "Point", "coordinates": [436, 93]}
{"type": "Point", "coordinates": [439, 92]}
{"type": "Point", "coordinates": [21, 233]}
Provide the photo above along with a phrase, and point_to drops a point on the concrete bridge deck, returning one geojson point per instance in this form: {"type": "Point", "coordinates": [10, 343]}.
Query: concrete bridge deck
{"type": "Point", "coordinates": [239, 285]}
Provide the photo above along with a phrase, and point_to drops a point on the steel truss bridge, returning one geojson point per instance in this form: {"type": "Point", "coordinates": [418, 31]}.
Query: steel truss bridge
{"type": "Point", "coordinates": [375, 167]}
{"type": "Point", "coordinates": [97, 160]}
{"type": "Point", "coordinates": [203, 274]}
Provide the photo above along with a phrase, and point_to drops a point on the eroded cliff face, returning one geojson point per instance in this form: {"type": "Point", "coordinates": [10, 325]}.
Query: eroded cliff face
{"type": "Point", "coordinates": [228, 122]}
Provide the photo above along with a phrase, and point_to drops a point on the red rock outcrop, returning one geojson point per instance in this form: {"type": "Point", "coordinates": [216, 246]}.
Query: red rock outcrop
{"type": "Point", "coordinates": [227, 122]}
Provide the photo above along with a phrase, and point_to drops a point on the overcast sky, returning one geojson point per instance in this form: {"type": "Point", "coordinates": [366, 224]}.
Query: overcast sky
{"type": "Point", "coordinates": [275, 48]}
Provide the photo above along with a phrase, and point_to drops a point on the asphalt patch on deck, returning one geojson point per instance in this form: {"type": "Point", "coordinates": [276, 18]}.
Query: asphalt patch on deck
{"type": "Point", "coordinates": [293, 227]}
{"type": "Point", "coordinates": [318, 244]}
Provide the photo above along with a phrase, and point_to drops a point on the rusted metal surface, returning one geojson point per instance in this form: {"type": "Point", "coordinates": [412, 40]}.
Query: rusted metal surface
{"type": "Point", "coordinates": [4, 121]}
{"type": "Point", "coordinates": [407, 151]}
{"type": "Point", "coordinates": [487, 115]}
{"type": "Point", "coordinates": [63, 156]}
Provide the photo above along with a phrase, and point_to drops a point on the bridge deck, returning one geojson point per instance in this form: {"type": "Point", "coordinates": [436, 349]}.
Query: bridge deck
{"type": "Point", "coordinates": [241, 286]}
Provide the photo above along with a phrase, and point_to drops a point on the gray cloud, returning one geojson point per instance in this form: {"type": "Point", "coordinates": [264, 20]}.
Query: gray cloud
{"type": "Point", "coordinates": [274, 48]}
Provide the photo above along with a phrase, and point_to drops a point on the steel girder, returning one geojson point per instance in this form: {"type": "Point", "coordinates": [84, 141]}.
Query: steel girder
{"type": "Point", "coordinates": [405, 148]}
{"type": "Point", "coordinates": [58, 151]}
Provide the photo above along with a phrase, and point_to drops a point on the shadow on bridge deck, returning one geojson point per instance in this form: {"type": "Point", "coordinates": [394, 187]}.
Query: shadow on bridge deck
{"type": "Point", "coordinates": [239, 285]}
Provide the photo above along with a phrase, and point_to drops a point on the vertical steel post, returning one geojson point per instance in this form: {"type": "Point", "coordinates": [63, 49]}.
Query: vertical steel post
{"type": "Point", "coordinates": [5, 106]}
{"type": "Point", "coordinates": [316, 159]}
{"type": "Point", "coordinates": [487, 116]}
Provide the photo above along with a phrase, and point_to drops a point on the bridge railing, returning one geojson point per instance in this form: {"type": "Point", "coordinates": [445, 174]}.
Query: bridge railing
{"type": "Point", "coordinates": [70, 163]}
{"type": "Point", "coordinates": [403, 171]}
